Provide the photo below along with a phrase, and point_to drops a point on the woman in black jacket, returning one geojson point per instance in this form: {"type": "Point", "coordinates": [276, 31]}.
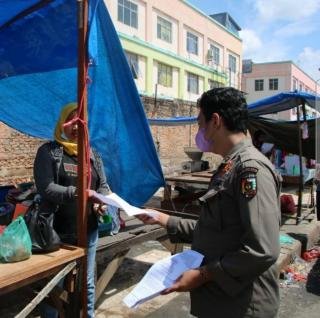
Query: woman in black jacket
{"type": "Point", "coordinates": [55, 174]}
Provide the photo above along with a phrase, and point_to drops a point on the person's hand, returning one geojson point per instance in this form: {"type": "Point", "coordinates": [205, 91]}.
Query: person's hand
{"type": "Point", "coordinates": [99, 209]}
{"type": "Point", "coordinates": [154, 217]}
{"type": "Point", "coordinates": [92, 197]}
{"type": "Point", "coordinates": [187, 281]}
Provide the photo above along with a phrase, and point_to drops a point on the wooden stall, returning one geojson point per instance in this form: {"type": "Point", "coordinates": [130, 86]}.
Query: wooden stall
{"type": "Point", "coordinates": [51, 267]}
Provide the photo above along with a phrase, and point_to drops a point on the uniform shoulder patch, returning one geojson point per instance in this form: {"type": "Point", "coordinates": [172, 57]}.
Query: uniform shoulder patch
{"type": "Point", "coordinates": [248, 182]}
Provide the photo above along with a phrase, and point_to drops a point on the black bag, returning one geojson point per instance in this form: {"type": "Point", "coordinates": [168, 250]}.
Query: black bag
{"type": "Point", "coordinates": [40, 225]}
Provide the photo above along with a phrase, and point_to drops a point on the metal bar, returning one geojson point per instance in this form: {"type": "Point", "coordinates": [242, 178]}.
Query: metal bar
{"type": "Point", "coordinates": [46, 290]}
{"type": "Point", "coordinates": [298, 219]}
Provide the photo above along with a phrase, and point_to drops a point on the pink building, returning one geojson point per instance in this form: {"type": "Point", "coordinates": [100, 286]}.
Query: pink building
{"type": "Point", "coordinates": [260, 80]}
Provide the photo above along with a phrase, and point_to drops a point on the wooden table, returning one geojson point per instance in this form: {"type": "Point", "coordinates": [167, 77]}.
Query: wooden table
{"type": "Point", "coordinates": [19, 274]}
{"type": "Point", "coordinates": [111, 251]}
{"type": "Point", "coordinates": [191, 186]}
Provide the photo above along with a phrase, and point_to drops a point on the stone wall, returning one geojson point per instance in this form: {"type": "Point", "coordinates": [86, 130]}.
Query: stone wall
{"type": "Point", "coordinates": [17, 151]}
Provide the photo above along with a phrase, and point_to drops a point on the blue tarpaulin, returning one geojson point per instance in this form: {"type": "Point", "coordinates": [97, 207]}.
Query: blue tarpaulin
{"type": "Point", "coordinates": [281, 102]}
{"type": "Point", "coordinates": [269, 105]}
{"type": "Point", "coordinates": [38, 75]}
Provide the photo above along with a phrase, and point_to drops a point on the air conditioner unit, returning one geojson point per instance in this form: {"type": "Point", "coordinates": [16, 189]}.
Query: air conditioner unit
{"type": "Point", "coordinates": [209, 55]}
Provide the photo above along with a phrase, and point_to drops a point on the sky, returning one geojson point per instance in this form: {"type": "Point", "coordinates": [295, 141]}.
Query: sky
{"type": "Point", "coordinates": [275, 30]}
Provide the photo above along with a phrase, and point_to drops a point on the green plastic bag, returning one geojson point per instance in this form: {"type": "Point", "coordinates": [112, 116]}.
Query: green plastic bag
{"type": "Point", "coordinates": [15, 242]}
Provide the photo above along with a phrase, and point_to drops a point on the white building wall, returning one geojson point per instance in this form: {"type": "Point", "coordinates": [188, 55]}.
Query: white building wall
{"type": "Point", "coordinates": [255, 95]}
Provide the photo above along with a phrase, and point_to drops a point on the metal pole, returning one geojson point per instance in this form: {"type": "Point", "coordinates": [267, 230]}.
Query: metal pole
{"type": "Point", "coordinates": [298, 219]}
{"type": "Point", "coordinates": [317, 157]}
{"type": "Point", "coordinates": [82, 168]}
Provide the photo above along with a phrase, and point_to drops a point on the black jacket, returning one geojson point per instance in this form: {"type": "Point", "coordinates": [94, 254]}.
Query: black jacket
{"type": "Point", "coordinates": [55, 196]}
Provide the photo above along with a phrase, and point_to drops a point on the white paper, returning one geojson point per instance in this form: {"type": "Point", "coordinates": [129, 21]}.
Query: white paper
{"type": "Point", "coordinates": [114, 200]}
{"type": "Point", "coordinates": [162, 275]}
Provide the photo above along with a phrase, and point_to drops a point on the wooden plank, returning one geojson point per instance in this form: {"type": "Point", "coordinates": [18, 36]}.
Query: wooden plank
{"type": "Point", "coordinates": [204, 174]}
{"type": "Point", "coordinates": [15, 275]}
{"type": "Point", "coordinates": [188, 179]}
{"type": "Point", "coordinates": [117, 246]}
{"type": "Point", "coordinates": [46, 290]}
{"type": "Point", "coordinates": [108, 273]}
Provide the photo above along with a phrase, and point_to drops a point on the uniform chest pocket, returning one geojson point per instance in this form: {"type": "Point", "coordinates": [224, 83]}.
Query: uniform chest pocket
{"type": "Point", "coordinates": [211, 215]}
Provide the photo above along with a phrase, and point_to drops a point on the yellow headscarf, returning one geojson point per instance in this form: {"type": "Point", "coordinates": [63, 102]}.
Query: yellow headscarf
{"type": "Point", "coordinates": [71, 148]}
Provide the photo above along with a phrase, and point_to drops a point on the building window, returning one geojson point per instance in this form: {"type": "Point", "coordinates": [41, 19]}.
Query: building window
{"type": "Point", "coordinates": [164, 30]}
{"type": "Point", "coordinates": [232, 63]}
{"type": "Point", "coordinates": [192, 43]}
{"type": "Point", "coordinates": [193, 83]}
{"type": "Point", "coordinates": [215, 84]}
{"type": "Point", "coordinates": [294, 84]}
{"type": "Point", "coordinates": [164, 75]}
{"type": "Point", "coordinates": [258, 85]}
{"type": "Point", "coordinates": [128, 13]}
{"type": "Point", "coordinates": [133, 61]}
{"type": "Point", "coordinates": [214, 54]}
{"type": "Point", "coordinates": [273, 84]}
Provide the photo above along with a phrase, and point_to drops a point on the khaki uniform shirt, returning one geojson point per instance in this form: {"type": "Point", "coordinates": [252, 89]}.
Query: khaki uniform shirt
{"type": "Point", "coordinates": [238, 233]}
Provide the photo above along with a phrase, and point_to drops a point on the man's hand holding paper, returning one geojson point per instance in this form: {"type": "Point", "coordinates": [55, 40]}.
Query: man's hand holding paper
{"type": "Point", "coordinates": [187, 281]}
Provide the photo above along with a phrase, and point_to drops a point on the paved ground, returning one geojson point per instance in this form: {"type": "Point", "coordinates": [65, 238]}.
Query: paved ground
{"type": "Point", "coordinates": [298, 300]}
{"type": "Point", "coordinates": [131, 271]}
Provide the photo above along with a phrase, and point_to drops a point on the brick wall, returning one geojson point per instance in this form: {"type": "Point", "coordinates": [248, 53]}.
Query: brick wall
{"type": "Point", "coordinates": [17, 151]}
{"type": "Point", "coordinates": [170, 140]}
{"type": "Point", "coordinates": [16, 155]}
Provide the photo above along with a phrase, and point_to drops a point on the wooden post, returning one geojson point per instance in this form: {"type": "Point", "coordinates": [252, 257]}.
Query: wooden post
{"type": "Point", "coordinates": [82, 168]}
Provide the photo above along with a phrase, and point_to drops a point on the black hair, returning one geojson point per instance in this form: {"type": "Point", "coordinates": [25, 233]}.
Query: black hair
{"type": "Point", "coordinates": [229, 103]}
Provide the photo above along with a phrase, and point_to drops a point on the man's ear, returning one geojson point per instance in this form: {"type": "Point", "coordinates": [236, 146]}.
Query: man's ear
{"type": "Point", "coordinates": [216, 120]}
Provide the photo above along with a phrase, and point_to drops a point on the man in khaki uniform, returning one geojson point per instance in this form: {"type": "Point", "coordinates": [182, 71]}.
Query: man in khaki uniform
{"type": "Point", "coordinates": [238, 227]}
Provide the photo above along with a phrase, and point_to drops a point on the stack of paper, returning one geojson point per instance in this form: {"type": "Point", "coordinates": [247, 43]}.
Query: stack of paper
{"type": "Point", "coordinates": [161, 276]}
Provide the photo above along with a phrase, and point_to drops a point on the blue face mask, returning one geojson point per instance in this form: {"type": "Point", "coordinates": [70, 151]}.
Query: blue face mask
{"type": "Point", "coordinates": [202, 143]}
